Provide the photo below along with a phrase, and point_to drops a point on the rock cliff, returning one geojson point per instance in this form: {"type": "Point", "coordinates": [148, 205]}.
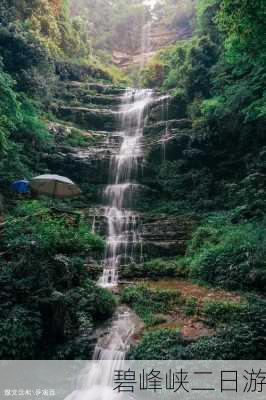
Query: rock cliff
{"type": "Point", "coordinates": [92, 110]}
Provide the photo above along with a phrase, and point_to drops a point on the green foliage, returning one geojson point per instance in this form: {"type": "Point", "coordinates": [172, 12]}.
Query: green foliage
{"type": "Point", "coordinates": [90, 300]}
{"type": "Point", "coordinates": [163, 344]}
{"type": "Point", "coordinates": [237, 342]}
{"type": "Point", "coordinates": [115, 25]}
{"type": "Point", "coordinates": [20, 333]}
{"type": "Point", "coordinates": [240, 74]}
{"type": "Point", "coordinates": [78, 348]}
{"type": "Point", "coordinates": [186, 67]}
{"type": "Point", "coordinates": [155, 268]}
{"type": "Point", "coordinates": [48, 299]}
{"type": "Point", "coordinates": [31, 130]}
{"type": "Point", "coordinates": [44, 272]}
{"type": "Point", "coordinates": [21, 131]}
{"type": "Point", "coordinates": [149, 303]}
{"type": "Point", "coordinates": [242, 338]}
{"type": "Point", "coordinates": [190, 306]}
{"type": "Point", "coordinates": [186, 182]}
{"type": "Point", "coordinates": [243, 23]}
{"type": "Point", "coordinates": [51, 25]}
{"type": "Point", "coordinates": [26, 60]}
{"type": "Point", "coordinates": [207, 11]}
{"type": "Point", "coordinates": [223, 311]}
{"type": "Point", "coordinates": [77, 139]}
{"type": "Point", "coordinates": [117, 76]}
{"type": "Point", "coordinates": [229, 255]}
{"type": "Point", "coordinates": [9, 109]}
{"type": "Point", "coordinates": [153, 74]}
{"type": "Point", "coordinates": [36, 227]}
{"type": "Point", "coordinates": [218, 83]}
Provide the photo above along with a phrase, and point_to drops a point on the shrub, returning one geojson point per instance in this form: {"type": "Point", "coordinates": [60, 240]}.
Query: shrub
{"type": "Point", "coordinates": [26, 60]}
{"type": "Point", "coordinates": [44, 271]}
{"type": "Point", "coordinates": [243, 339]}
{"type": "Point", "coordinates": [222, 311]}
{"type": "Point", "coordinates": [236, 342]}
{"type": "Point", "coordinates": [9, 108]}
{"type": "Point", "coordinates": [30, 129]}
{"type": "Point", "coordinates": [163, 344]}
{"type": "Point", "coordinates": [21, 131]}
{"type": "Point", "coordinates": [35, 228]}
{"type": "Point", "coordinates": [190, 307]}
{"type": "Point", "coordinates": [155, 268]}
{"type": "Point", "coordinates": [229, 255]}
{"type": "Point", "coordinates": [91, 301]}
{"type": "Point", "coordinates": [147, 302]}
{"type": "Point", "coordinates": [77, 139]}
{"type": "Point", "coordinates": [20, 333]}
{"type": "Point", "coordinates": [242, 336]}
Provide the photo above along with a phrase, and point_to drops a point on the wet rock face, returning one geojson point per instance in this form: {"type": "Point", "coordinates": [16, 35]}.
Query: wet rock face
{"type": "Point", "coordinates": [158, 128]}
{"type": "Point", "coordinates": [80, 169]}
{"type": "Point", "coordinates": [87, 118]}
{"type": "Point", "coordinates": [89, 165]}
{"type": "Point", "coordinates": [163, 236]}
{"type": "Point", "coordinates": [159, 36]}
{"type": "Point", "coordinates": [88, 94]}
{"type": "Point", "coordinates": [74, 72]}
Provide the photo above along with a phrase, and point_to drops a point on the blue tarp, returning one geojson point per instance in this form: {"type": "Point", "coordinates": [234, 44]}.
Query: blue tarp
{"type": "Point", "coordinates": [20, 186]}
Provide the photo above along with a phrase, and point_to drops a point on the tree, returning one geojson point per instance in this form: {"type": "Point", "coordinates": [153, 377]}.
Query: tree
{"type": "Point", "coordinates": [114, 24]}
{"type": "Point", "coordinates": [243, 23]}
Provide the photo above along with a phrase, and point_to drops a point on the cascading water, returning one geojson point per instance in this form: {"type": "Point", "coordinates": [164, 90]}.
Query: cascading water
{"type": "Point", "coordinates": [123, 237]}
{"type": "Point", "coordinates": [95, 383]}
{"type": "Point", "coordinates": [165, 115]}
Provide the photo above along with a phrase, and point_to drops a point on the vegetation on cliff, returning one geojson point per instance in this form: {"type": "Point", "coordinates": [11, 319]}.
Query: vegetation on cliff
{"type": "Point", "coordinates": [49, 297]}
{"type": "Point", "coordinates": [56, 70]}
{"type": "Point", "coordinates": [216, 80]}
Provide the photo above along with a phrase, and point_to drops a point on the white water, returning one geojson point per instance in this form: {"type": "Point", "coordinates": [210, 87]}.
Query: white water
{"type": "Point", "coordinates": [165, 115]}
{"type": "Point", "coordinates": [123, 237]}
{"type": "Point", "coordinates": [95, 382]}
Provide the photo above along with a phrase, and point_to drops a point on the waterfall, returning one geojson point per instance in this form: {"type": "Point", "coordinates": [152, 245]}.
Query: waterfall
{"type": "Point", "coordinates": [95, 381]}
{"type": "Point", "coordinates": [123, 237]}
{"type": "Point", "coordinates": [165, 116]}
{"type": "Point", "coordinates": [145, 44]}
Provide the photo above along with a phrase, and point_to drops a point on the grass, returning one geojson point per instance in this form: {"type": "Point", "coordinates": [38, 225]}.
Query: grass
{"type": "Point", "coordinates": [151, 305]}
